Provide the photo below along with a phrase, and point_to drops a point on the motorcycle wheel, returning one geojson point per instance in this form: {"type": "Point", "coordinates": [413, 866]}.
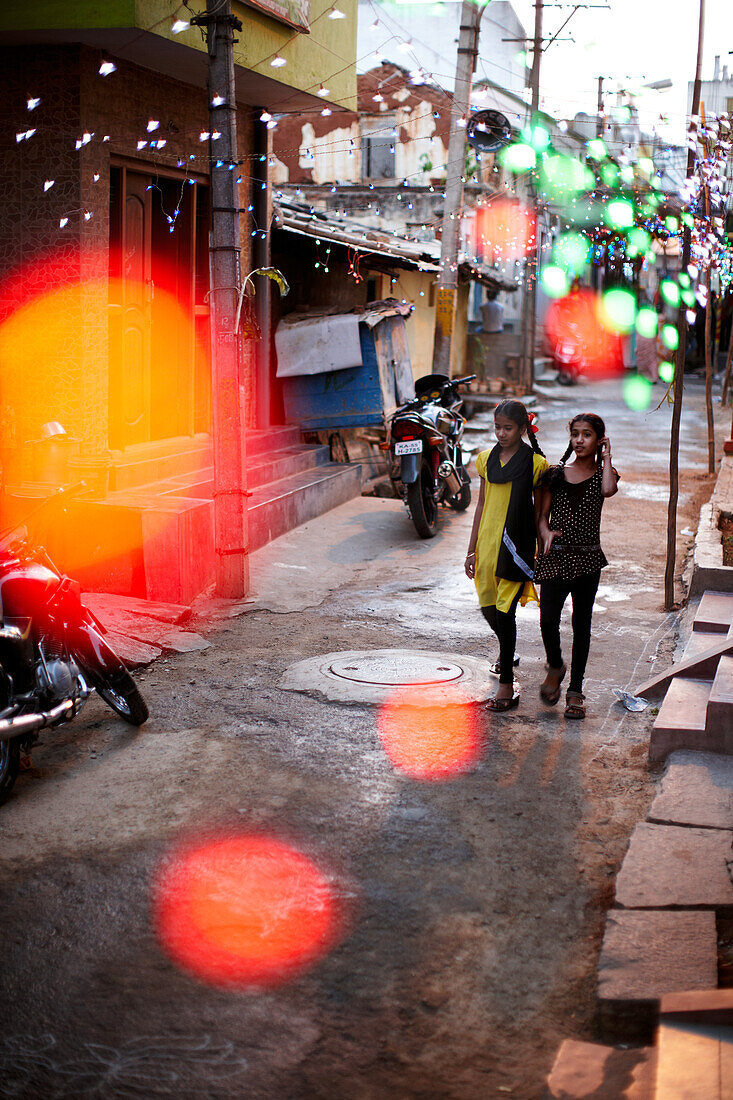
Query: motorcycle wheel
{"type": "Point", "coordinates": [461, 500]}
{"type": "Point", "coordinates": [9, 767]}
{"type": "Point", "coordinates": [421, 502]}
{"type": "Point", "coordinates": [122, 695]}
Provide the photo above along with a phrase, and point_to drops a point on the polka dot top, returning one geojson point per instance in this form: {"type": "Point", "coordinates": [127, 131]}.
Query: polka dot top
{"type": "Point", "coordinates": [576, 512]}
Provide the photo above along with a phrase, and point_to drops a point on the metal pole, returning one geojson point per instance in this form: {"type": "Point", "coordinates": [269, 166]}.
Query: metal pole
{"type": "Point", "coordinates": [529, 298]}
{"type": "Point", "coordinates": [679, 370]}
{"type": "Point", "coordinates": [230, 481]}
{"type": "Point", "coordinates": [450, 239]}
{"type": "Point", "coordinates": [599, 116]}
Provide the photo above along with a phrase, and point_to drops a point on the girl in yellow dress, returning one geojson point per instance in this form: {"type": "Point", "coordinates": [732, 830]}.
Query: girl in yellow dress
{"type": "Point", "coordinates": [501, 549]}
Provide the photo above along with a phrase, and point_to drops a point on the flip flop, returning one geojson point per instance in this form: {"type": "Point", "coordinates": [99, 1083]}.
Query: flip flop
{"type": "Point", "coordinates": [495, 667]}
{"type": "Point", "coordinates": [575, 704]}
{"type": "Point", "coordinates": [499, 706]}
{"type": "Point", "coordinates": [551, 695]}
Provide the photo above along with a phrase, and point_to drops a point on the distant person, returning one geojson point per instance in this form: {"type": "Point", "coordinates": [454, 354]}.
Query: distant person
{"type": "Point", "coordinates": [492, 313]}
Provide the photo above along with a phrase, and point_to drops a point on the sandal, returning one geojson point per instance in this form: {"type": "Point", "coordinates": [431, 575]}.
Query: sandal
{"type": "Point", "coordinates": [575, 704]}
{"type": "Point", "coordinates": [499, 706]}
{"type": "Point", "coordinates": [495, 667]}
{"type": "Point", "coordinates": [548, 694]}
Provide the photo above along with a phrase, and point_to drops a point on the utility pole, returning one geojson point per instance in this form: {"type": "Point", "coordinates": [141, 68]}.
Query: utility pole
{"type": "Point", "coordinates": [599, 115]}
{"type": "Point", "coordinates": [230, 475]}
{"type": "Point", "coordinates": [529, 298]}
{"type": "Point", "coordinates": [679, 370]}
{"type": "Point", "coordinates": [450, 239]}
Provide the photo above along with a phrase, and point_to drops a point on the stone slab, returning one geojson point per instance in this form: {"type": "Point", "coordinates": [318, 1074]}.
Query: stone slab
{"type": "Point", "coordinates": [700, 663]}
{"type": "Point", "coordinates": [682, 720]}
{"type": "Point", "coordinates": [669, 866]}
{"type": "Point", "coordinates": [135, 654]}
{"type": "Point", "coordinates": [708, 570]}
{"type": "Point", "coordinates": [712, 1006]}
{"type": "Point", "coordinates": [694, 1061]}
{"type": "Point", "coordinates": [583, 1070]}
{"type": "Point", "coordinates": [315, 676]}
{"type": "Point", "coordinates": [714, 613]}
{"type": "Point", "coordinates": [646, 954]}
{"type": "Point", "coordinates": [151, 631]}
{"type": "Point", "coordinates": [106, 604]}
{"type": "Point", "coordinates": [697, 790]}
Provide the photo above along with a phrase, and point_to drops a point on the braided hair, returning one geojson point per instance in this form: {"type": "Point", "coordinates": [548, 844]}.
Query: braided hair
{"type": "Point", "coordinates": [516, 411]}
{"type": "Point", "coordinates": [556, 474]}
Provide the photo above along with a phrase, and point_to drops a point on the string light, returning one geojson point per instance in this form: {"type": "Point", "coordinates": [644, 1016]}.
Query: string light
{"type": "Point", "coordinates": [33, 103]}
{"type": "Point", "coordinates": [180, 25]}
{"type": "Point", "coordinates": [107, 67]}
{"type": "Point", "coordinates": [336, 13]}
{"type": "Point", "coordinates": [278, 62]}
{"type": "Point", "coordinates": [323, 92]}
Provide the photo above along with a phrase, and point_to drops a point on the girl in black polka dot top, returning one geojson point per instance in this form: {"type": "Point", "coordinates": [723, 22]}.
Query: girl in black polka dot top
{"type": "Point", "coordinates": [571, 557]}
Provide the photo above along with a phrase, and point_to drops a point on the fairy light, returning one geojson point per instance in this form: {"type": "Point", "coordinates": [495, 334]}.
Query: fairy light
{"type": "Point", "coordinates": [153, 124]}
{"type": "Point", "coordinates": [33, 103]}
{"type": "Point", "coordinates": [265, 117]}
{"type": "Point", "coordinates": [107, 67]}
{"type": "Point", "coordinates": [218, 101]}
{"type": "Point", "coordinates": [180, 25]}
{"type": "Point", "coordinates": [48, 184]}
{"type": "Point", "coordinates": [278, 62]}
{"type": "Point", "coordinates": [322, 92]}
{"type": "Point", "coordinates": [336, 13]}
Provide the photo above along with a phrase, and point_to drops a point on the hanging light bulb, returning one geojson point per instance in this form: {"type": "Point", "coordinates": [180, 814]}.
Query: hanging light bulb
{"type": "Point", "coordinates": [322, 92]}
{"type": "Point", "coordinates": [326, 112]}
{"type": "Point", "coordinates": [375, 25]}
{"type": "Point", "coordinates": [180, 25]}
{"type": "Point", "coordinates": [378, 98]}
{"type": "Point", "coordinates": [278, 62]}
{"type": "Point", "coordinates": [336, 13]}
{"type": "Point", "coordinates": [106, 68]}
{"type": "Point", "coordinates": [218, 100]}
{"type": "Point", "coordinates": [265, 117]}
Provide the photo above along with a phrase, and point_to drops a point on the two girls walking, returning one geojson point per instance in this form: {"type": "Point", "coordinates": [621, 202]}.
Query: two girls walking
{"type": "Point", "coordinates": [521, 496]}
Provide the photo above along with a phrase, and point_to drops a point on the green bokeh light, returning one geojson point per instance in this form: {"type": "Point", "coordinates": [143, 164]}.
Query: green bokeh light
{"type": "Point", "coordinates": [597, 148]}
{"type": "Point", "coordinates": [618, 308]}
{"type": "Point", "coordinates": [563, 176]}
{"type": "Point", "coordinates": [688, 297]}
{"type": "Point", "coordinates": [666, 372]}
{"type": "Point", "coordinates": [646, 322]}
{"type": "Point", "coordinates": [619, 214]}
{"type": "Point", "coordinates": [672, 224]}
{"type": "Point", "coordinates": [536, 136]}
{"type": "Point", "coordinates": [645, 166]}
{"type": "Point", "coordinates": [670, 292]}
{"type": "Point", "coordinates": [637, 240]}
{"type": "Point", "coordinates": [637, 392]}
{"type": "Point", "coordinates": [571, 252]}
{"type": "Point", "coordinates": [670, 337]}
{"type": "Point", "coordinates": [688, 220]}
{"type": "Point", "coordinates": [518, 157]}
{"type": "Point", "coordinates": [627, 174]}
{"type": "Point", "coordinates": [683, 278]}
{"type": "Point", "coordinates": [555, 281]}
{"type": "Point", "coordinates": [609, 175]}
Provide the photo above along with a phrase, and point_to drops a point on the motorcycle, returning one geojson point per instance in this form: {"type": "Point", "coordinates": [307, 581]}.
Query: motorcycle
{"type": "Point", "coordinates": [52, 652]}
{"type": "Point", "coordinates": [425, 439]}
{"type": "Point", "coordinates": [567, 362]}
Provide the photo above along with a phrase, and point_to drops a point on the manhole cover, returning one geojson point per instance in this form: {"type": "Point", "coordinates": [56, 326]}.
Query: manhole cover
{"type": "Point", "coordinates": [397, 670]}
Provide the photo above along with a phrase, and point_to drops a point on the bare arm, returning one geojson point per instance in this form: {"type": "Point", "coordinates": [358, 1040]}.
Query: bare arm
{"type": "Point", "coordinates": [470, 563]}
{"type": "Point", "coordinates": [609, 481]}
{"type": "Point", "coordinates": [542, 515]}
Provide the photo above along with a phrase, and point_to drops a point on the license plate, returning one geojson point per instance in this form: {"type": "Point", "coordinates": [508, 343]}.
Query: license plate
{"type": "Point", "coordinates": [409, 447]}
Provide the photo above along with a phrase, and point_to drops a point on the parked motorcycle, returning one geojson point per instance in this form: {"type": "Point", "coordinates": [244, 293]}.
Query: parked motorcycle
{"type": "Point", "coordinates": [52, 652]}
{"type": "Point", "coordinates": [425, 439]}
{"type": "Point", "coordinates": [567, 362]}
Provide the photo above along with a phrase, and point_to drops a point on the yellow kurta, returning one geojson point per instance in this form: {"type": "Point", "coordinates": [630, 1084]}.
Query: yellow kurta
{"type": "Point", "coordinates": [492, 590]}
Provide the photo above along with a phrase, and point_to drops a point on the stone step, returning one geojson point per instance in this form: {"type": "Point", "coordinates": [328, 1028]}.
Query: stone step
{"type": "Point", "coordinates": [646, 954]}
{"type": "Point", "coordinates": [696, 790]}
{"type": "Point", "coordinates": [720, 705]}
{"type": "Point", "coordinates": [583, 1070]}
{"type": "Point", "coordinates": [699, 662]}
{"type": "Point", "coordinates": [282, 505]}
{"type": "Point", "coordinates": [272, 439]}
{"type": "Point", "coordinates": [158, 461]}
{"type": "Point", "coordinates": [695, 1046]}
{"type": "Point", "coordinates": [276, 465]}
{"type": "Point", "coordinates": [714, 613]}
{"type": "Point", "coordinates": [671, 867]}
{"type": "Point", "coordinates": [681, 722]}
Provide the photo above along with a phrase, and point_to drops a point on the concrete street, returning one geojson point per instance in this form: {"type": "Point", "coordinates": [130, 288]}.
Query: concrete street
{"type": "Point", "coordinates": [472, 908]}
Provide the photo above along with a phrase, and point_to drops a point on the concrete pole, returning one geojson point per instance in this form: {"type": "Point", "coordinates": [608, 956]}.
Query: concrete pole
{"type": "Point", "coordinates": [679, 370]}
{"type": "Point", "coordinates": [529, 297]}
{"type": "Point", "coordinates": [230, 474]}
{"type": "Point", "coordinates": [445, 308]}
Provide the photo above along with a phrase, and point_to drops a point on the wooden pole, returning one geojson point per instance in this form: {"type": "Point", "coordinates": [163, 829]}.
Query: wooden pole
{"type": "Point", "coordinates": [708, 320]}
{"type": "Point", "coordinates": [674, 437]}
{"type": "Point", "coordinates": [529, 297]}
{"type": "Point", "coordinates": [726, 376]}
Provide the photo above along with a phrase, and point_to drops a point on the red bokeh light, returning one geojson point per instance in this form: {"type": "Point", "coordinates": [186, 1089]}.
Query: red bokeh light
{"type": "Point", "coordinates": [244, 912]}
{"type": "Point", "coordinates": [431, 735]}
{"type": "Point", "coordinates": [503, 230]}
{"type": "Point", "coordinates": [575, 321]}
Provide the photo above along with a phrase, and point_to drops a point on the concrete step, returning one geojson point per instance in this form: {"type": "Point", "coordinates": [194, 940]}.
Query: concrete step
{"type": "Point", "coordinates": [285, 504]}
{"type": "Point", "coordinates": [714, 613]}
{"type": "Point", "coordinates": [159, 461]}
{"type": "Point", "coordinates": [671, 867]}
{"type": "Point", "coordinates": [275, 465]}
{"type": "Point", "coordinates": [699, 662]}
{"type": "Point", "coordinates": [720, 705]}
{"type": "Point", "coordinates": [583, 1070]}
{"type": "Point", "coordinates": [681, 722]}
{"type": "Point", "coordinates": [645, 955]}
{"type": "Point", "coordinates": [695, 1046]}
{"type": "Point", "coordinates": [696, 790]}
{"type": "Point", "coordinates": [272, 439]}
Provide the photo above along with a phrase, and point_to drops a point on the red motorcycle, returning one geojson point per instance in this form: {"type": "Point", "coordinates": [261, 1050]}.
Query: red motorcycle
{"type": "Point", "coordinates": [52, 652]}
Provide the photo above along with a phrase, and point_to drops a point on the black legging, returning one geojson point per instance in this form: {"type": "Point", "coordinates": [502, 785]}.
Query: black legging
{"type": "Point", "coordinates": [553, 595]}
{"type": "Point", "coordinates": [504, 625]}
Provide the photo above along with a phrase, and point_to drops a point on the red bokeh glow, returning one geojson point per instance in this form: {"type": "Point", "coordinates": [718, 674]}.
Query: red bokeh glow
{"type": "Point", "coordinates": [504, 230]}
{"type": "Point", "coordinates": [244, 912]}
{"type": "Point", "coordinates": [431, 735]}
{"type": "Point", "coordinates": [575, 321]}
